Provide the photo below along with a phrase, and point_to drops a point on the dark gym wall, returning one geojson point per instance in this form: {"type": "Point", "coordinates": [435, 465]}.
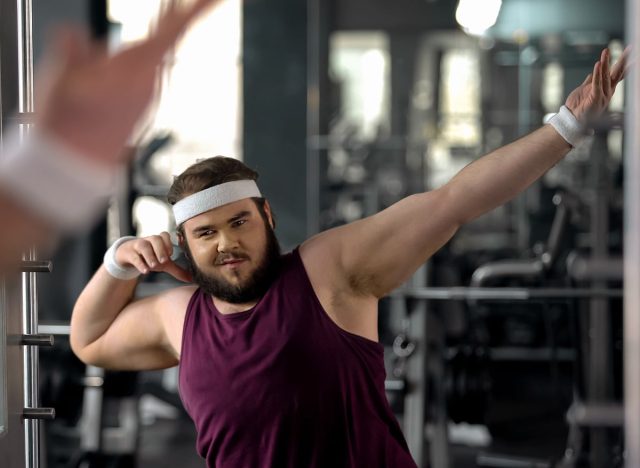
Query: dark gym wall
{"type": "Point", "coordinates": [274, 87]}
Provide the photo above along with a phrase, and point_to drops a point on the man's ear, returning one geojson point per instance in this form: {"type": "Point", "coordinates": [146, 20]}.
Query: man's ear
{"type": "Point", "coordinates": [180, 237]}
{"type": "Point", "coordinates": [267, 211]}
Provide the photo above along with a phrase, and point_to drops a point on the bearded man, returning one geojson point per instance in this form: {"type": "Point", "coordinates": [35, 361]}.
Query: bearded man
{"type": "Point", "coordinates": [279, 360]}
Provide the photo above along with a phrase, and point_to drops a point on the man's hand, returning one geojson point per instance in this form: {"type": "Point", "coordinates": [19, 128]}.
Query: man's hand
{"type": "Point", "coordinates": [90, 100]}
{"type": "Point", "coordinates": [592, 97]}
{"type": "Point", "coordinates": [151, 253]}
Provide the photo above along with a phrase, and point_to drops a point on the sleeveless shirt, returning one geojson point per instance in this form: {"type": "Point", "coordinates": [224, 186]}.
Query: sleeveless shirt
{"type": "Point", "coordinates": [282, 385]}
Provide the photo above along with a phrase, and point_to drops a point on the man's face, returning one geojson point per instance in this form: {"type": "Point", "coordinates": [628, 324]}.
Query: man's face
{"type": "Point", "coordinates": [232, 251]}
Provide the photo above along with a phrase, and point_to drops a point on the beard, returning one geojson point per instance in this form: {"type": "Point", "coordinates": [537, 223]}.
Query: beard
{"type": "Point", "coordinates": [251, 289]}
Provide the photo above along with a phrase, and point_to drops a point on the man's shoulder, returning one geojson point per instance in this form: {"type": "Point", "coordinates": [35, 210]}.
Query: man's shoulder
{"type": "Point", "coordinates": [176, 297]}
{"type": "Point", "coordinates": [182, 292]}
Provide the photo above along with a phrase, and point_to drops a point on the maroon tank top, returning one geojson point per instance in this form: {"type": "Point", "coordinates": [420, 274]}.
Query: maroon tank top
{"type": "Point", "coordinates": [281, 385]}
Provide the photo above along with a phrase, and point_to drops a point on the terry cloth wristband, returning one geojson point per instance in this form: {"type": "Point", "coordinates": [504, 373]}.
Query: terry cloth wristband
{"type": "Point", "coordinates": [53, 182]}
{"type": "Point", "coordinates": [113, 267]}
{"type": "Point", "coordinates": [568, 127]}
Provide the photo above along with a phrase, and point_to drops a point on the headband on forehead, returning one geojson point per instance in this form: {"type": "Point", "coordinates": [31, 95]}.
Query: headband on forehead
{"type": "Point", "coordinates": [213, 197]}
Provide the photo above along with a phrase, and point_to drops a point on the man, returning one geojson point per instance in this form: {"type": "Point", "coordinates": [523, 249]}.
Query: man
{"type": "Point", "coordinates": [279, 360]}
{"type": "Point", "coordinates": [87, 104]}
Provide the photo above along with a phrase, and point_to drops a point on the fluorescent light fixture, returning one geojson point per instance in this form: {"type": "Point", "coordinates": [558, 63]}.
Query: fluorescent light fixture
{"type": "Point", "coordinates": [476, 16]}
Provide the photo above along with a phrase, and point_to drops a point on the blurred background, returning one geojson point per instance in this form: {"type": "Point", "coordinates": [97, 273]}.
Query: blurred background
{"type": "Point", "coordinates": [345, 107]}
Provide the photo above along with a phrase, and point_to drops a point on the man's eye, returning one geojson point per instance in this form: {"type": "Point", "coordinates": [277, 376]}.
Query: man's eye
{"type": "Point", "coordinates": [208, 232]}
{"type": "Point", "coordinates": [238, 223]}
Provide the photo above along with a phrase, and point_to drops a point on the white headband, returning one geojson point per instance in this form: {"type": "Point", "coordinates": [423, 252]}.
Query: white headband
{"type": "Point", "coordinates": [213, 197]}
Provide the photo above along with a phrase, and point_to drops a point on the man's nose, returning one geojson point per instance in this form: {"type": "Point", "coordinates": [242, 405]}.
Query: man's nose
{"type": "Point", "coordinates": [227, 242]}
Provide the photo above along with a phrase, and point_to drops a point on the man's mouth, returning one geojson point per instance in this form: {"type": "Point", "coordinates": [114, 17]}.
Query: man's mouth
{"type": "Point", "coordinates": [231, 261]}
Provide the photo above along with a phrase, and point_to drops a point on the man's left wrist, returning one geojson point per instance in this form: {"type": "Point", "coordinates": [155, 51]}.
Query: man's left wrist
{"type": "Point", "coordinates": [569, 126]}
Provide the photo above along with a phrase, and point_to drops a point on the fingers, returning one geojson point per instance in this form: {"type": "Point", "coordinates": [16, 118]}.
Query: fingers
{"type": "Point", "coordinates": [173, 23]}
{"type": "Point", "coordinates": [596, 85]}
{"type": "Point", "coordinates": [67, 46]}
{"type": "Point", "coordinates": [161, 251]}
{"type": "Point", "coordinates": [132, 257]}
{"type": "Point", "coordinates": [144, 248]}
{"type": "Point", "coordinates": [178, 273]}
{"type": "Point", "coordinates": [619, 70]}
{"type": "Point", "coordinates": [196, 9]}
{"type": "Point", "coordinates": [588, 79]}
{"type": "Point", "coordinates": [151, 253]}
{"type": "Point", "coordinates": [604, 70]}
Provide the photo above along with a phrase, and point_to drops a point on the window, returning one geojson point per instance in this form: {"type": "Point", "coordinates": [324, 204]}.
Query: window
{"type": "Point", "coordinates": [200, 102]}
{"type": "Point", "coordinates": [359, 66]}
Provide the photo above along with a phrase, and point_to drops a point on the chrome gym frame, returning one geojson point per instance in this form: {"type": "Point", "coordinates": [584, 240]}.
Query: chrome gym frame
{"type": "Point", "coordinates": [20, 436]}
{"type": "Point", "coordinates": [632, 249]}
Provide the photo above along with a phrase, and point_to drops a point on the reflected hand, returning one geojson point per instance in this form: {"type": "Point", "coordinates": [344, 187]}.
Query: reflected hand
{"type": "Point", "coordinates": [592, 97]}
{"type": "Point", "coordinates": [151, 253]}
{"type": "Point", "coordinates": [90, 100]}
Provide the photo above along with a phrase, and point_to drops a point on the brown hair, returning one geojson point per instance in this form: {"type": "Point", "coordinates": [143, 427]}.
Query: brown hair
{"type": "Point", "coordinates": [208, 173]}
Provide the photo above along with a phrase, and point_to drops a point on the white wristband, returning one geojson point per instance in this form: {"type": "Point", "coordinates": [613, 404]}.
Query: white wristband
{"type": "Point", "coordinates": [113, 267]}
{"type": "Point", "coordinates": [48, 178]}
{"type": "Point", "coordinates": [568, 127]}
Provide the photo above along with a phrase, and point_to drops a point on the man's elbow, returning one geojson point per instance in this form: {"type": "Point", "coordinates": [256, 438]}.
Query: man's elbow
{"type": "Point", "coordinates": [459, 205]}
{"type": "Point", "coordinates": [80, 350]}
{"type": "Point", "coordinates": [84, 350]}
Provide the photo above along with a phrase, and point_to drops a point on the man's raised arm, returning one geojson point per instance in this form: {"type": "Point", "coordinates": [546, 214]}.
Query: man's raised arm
{"type": "Point", "coordinates": [87, 103]}
{"type": "Point", "coordinates": [375, 255]}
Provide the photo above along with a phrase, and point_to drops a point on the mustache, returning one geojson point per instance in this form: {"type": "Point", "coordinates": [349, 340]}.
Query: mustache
{"type": "Point", "coordinates": [223, 258]}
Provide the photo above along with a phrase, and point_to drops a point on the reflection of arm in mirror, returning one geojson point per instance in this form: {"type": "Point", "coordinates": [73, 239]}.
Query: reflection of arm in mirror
{"type": "Point", "coordinates": [367, 259]}
{"type": "Point", "coordinates": [87, 104]}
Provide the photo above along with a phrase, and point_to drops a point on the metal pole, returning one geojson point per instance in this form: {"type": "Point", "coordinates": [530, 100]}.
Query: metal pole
{"type": "Point", "coordinates": [632, 249]}
{"type": "Point", "coordinates": [314, 124]}
{"type": "Point", "coordinates": [30, 327]}
{"type": "Point", "coordinates": [29, 289]}
{"type": "Point", "coordinates": [504, 294]}
{"type": "Point", "coordinates": [600, 376]}
{"type": "Point", "coordinates": [416, 396]}
{"type": "Point", "coordinates": [25, 57]}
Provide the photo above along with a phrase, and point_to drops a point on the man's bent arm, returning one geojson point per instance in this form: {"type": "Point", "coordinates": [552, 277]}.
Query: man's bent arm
{"type": "Point", "coordinates": [99, 304]}
{"type": "Point", "coordinates": [110, 329]}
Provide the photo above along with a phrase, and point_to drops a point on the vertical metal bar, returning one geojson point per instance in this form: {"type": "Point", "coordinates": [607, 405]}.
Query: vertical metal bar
{"type": "Point", "coordinates": [526, 58]}
{"type": "Point", "coordinates": [30, 327]}
{"type": "Point", "coordinates": [29, 287]}
{"type": "Point", "coordinates": [313, 116]}
{"type": "Point", "coordinates": [600, 359]}
{"type": "Point", "coordinates": [435, 343]}
{"type": "Point", "coordinates": [91, 438]}
{"type": "Point", "coordinates": [3, 360]}
{"type": "Point", "coordinates": [416, 397]}
{"type": "Point", "coordinates": [25, 56]}
{"type": "Point", "coordinates": [318, 31]}
{"type": "Point", "coordinates": [632, 248]}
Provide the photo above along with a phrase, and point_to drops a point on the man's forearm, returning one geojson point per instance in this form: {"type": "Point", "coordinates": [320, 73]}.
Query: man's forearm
{"type": "Point", "coordinates": [98, 306]}
{"type": "Point", "coordinates": [502, 174]}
